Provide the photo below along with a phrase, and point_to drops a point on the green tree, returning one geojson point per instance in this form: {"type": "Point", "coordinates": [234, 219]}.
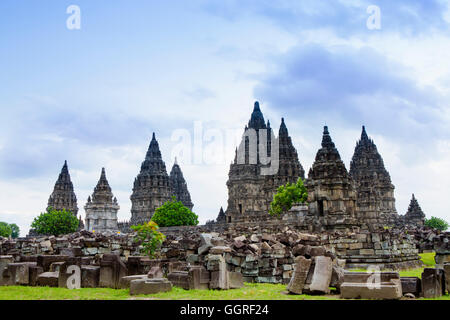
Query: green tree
{"type": "Point", "coordinates": [55, 222]}
{"type": "Point", "coordinates": [436, 223]}
{"type": "Point", "coordinates": [286, 196]}
{"type": "Point", "coordinates": [174, 213]}
{"type": "Point", "coordinates": [5, 230]}
{"type": "Point", "coordinates": [149, 237]}
{"type": "Point", "coordinates": [15, 231]}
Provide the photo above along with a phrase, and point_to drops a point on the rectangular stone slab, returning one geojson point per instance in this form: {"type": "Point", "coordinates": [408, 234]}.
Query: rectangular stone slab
{"type": "Point", "coordinates": [322, 275]}
{"type": "Point", "coordinates": [386, 291]}
{"type": "Point", "coordinates": [432, 283]}
{"type": "Point", "coordinates": [411, 285]}
{"type": "Point", "coordinates": [48, 279]}
{"type": "Point", "coordinates": [447, 277]}
{"type": "Point", "coordinates": [298, 279]}
{"type": "Point", "coordinates": [4, 275]}
{"type": "Point", "coordinates": [149, 286]}
{"type": "Point", "coordinates": [90, 276]}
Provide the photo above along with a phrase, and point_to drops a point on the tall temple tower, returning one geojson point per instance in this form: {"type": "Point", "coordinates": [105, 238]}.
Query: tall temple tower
{"type": "Point", "coordinates": [63, 196]}
{"type": "Point", "coordinates": [252, 181]}
{"type": "Point", "coordinates": [179, 186]}
{"type": "Point", "coordinates": [331, 190]}
{"type": "Point", "coordinates": [415, 214]}
{"type": "Point", "coordinates": [376, 202]}
{"type": "Point", "coordinates": [101, 209]}
{"type": "Point", "coordinates": [151, 187]}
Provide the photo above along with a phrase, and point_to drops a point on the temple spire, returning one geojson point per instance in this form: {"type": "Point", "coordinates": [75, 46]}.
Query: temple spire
{"type": "Point", "coordinates": [283, 128]}
{"type": "Point", "coordinates": [63, 196]}
{"type": "Point", "coordinates": [179, 186]}
{"type": "Point", "coordinates": [257, 119]}
{"type": "Point", "coordinates": [364, 134]}
{"type": "Point", "coordinates": [326, 139]}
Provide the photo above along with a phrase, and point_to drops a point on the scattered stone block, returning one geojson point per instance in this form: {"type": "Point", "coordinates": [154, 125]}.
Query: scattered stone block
{"type": "Point", "coordinates": [298, 279]}
{"type": "Point", "coordinates": [155, 272]}
{"type": "Point", "coordinates": [34, 272]}
{"type": "Point", "coordinates": [204, 249]}
{"type": "Point", "coordinates": [447, 277]}
{"type": "Point", "coordinates": [219, 250]}
{"type": "Point", "coordinates": [236, 280]}
{"type": "Point", "coordinates": [384, 291]}
{"type": "Point", "coordinates": [4, 275]}
{"type": "Point", "coordinates": [149, 286]}
{"type": "Point", "coordinates": [179, 279]}
{"type": "Point", "coordinates": [19, 273]}
{"type": "Point", "coordinates": [112, 269]}
{"type": "Point", "coordinates": [71, 252]}
{"type": "Point", "coordinates": [48, 279]}
{"type": "Point", "coordinates": [215, 262]}
{"type": "Point", "coordinates": [220, 280]}
{"type": "Point", "coordinates": [411, 285]}
{"type": "Point", "coordinates": [432, 283]}
{"type": "Point", "coordinates": [125, 281]}
{"type": "Point", "coordinates": [337, 278]}
{"type": "Point", "coordinates": [321, 278]}
{"type": "Point", "coordinates": [199, 278]}
{"type": "Point", "coordinates": [45, 261]}
{"type": "Point", "coordinates": [90, 276]}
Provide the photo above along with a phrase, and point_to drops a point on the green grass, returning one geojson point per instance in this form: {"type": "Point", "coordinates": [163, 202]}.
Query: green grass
{"type": "Point", "coordinates": [428, 259]}
{"type": "Point", "coordinates": [46, 293]}
{"type": "Point", "coordinates": [251, 291]}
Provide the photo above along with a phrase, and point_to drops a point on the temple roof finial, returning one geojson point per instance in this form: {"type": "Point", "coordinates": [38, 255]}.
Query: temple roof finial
{"type": "Point", "coordinates": [364, 134]}
{"type": "Point", "coordinates": [283, 128]}
{"type": "Point", "coordinates": [257, 119]}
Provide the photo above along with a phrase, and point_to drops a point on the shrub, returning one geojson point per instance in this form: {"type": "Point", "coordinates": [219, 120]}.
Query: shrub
{"type": "Point", "coordinates": [286, 196]}
{"type": "Point", "coordinates": [436, 223]}
{"type": "Point", "coordinates": [5, 230]}
{"type": "Point", "coordinates": [149, 236]}
{"type": "Point", "coordinates": [54, 222]}
{"type": "Point", "coordinates": [174, 213]}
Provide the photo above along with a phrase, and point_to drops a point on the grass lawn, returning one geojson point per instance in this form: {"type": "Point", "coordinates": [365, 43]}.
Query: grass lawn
{"type": "Point", "coordinates": [251, 291]}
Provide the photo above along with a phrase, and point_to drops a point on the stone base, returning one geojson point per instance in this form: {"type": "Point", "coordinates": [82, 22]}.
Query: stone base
{"type": "Point", "coordinates": [149, 286]}
{"type": "Point", "coordinates": [386, 291]}
{"type": "Point", "coordinates": [404, 265]}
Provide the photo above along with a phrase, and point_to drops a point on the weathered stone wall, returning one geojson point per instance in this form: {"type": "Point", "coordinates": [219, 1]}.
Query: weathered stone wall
{"type": "Point", "coordinates": [265, 252]}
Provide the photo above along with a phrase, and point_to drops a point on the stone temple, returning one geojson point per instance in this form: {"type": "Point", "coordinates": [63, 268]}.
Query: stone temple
{"type": "Point", "coordinates": [376, 202]}
{"type": "Point", "coordinates": [331, 190]}
{"type": "Point", "coordinates": [101, 209]}
{"type": "Point", "coordinates": [153, 186]}
{"type": "Point", "coordinates": [250, 192]}
{"type": "Point", "coordinates": [179, 186]}
{"type": "Point", "coordinates": [63, 196]}
{"type": "Point", "coordinates": [415, 215]}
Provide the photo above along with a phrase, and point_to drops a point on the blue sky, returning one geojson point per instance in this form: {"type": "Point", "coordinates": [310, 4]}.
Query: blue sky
{"type": "Point", "coordinates": [94, 96]}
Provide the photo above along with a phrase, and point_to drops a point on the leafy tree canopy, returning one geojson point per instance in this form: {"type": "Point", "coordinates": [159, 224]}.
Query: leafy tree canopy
{"type": "Point", "coordinates": [436, 223]}
{"type": "Point", "coordinates": [286, 196]}
{"type": "Point", "coordinates": [174, 213]}
{"type": "Point", "coordinates": [5, 230]}
{"type": "Point", "coordinates": [55, 222]}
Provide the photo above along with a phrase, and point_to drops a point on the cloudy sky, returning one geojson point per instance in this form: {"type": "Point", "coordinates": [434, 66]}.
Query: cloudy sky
{"type": "Point", "coordinates": [191, 70]}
